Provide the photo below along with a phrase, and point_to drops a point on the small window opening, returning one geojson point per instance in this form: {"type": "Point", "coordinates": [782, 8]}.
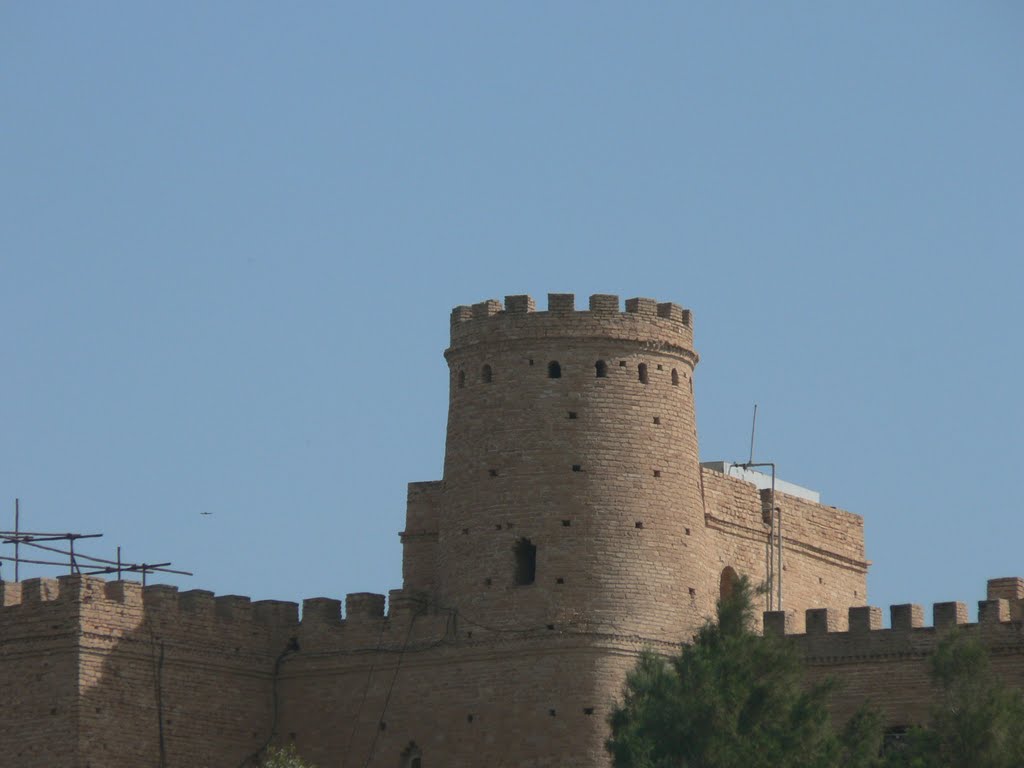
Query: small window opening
{"type": "Point", "coordinates": [687, 531]}
{"type": "Point", "coordinates": [675, 378]}
{"type": "Point", "coordinates": [693, 592]}
{"type": "Point", "coordinates": [622, 363]}
{"type": "Point", "coordinates": [526, 562]}
{"type": "Point", "coordinates": [821, 580]}
{"type": "Point", "coordinates": [469, 718]}
{"type": "Point", "coordinates": [465, 531]}
{"type": "Point", "coordinates": [554, 370]}
{"type": "Point", "coordinates": [551, 712]}
{"type": "Point", "coordinates": [657, 473]}
{"type": "Point", "coordinates": [486, 374]}
{"type": "Point", "coordinates": [551, 626]}
{"type": "Point", "coordinates": [492, 472]}
{"type": "Point", "coordinates": [559, 580]}
{"type": "Point", "coordinates": [657, 419]}
{"type": "Point", "coordinates": [572, 414]}
{"type": "Point", "coordinates": [462, 379]}
{"type": "Point", "coordinates": [566, 523]}
{"type": "Point", "coordinates": [638, 524]}
{"type": "Point", "coordinates": [487, 582]}
{"type": "Point", "coordinates": [727, 583]}
{"type": "Point", "coordinates": [383, 726]}
{"type": "Point", "coordinates": [642, 372]}
{"type": "Point", "coordinates": [588, 710]}
{"type": "Point", "coordinates": [659, 367]}
{"type": "Point", "coordinates": [602, 369]}
{"type": "Point", "coordinates": [530, 361]}
{"type": "Point", "coordinates": [577, 467]}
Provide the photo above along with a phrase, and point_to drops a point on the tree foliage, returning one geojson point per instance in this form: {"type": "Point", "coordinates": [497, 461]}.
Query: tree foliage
{"type": "Point", "coordinates": [733, 699]}
{"type": "Point", "coordinates": [976, 721]}
{"type": "Point", "coordinates": [284, 757]}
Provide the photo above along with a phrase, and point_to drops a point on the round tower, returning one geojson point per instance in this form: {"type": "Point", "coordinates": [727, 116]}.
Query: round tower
{"type": "Point", "coordinates": [572, 490]}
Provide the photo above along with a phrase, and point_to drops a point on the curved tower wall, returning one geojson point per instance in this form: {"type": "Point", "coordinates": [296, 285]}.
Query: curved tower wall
{"type": "Point", "coordinates": [600, 474]}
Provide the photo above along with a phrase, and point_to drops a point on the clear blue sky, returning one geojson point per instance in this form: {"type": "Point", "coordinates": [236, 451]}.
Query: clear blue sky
{"type": "Point", "coordinates": [231, 234]}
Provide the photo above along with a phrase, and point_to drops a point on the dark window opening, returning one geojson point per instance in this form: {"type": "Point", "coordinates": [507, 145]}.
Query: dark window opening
{"type": "Point", "coordinates": [638, 524]}
{"type": "Point", "coordinates": [526, 562]}
{"type": "Point", "coordinates": [659, 367]}
{"type": "Point", "coordinates": [675, 378]}
{"type": "Point", "coordinates": [566, 523]}
{"type": "Point", "coordinates": [486, 374]}
{"type": "Point", "coordinates": [588, 710]}
{"type": "Point", "coordinates": [693, 592]}
{"type": "Point", "coordinates": [462, 379]}
{"type": "Point", "coordinates": [554, 370]}
{"type": "Point", "coordinates": [687, 531]}
{"type": "Point", "coordinates": [657, 473]}
{"type": "Point", "coordinates": [602, 369]}
{"type": "Point", "coordinates": [657, 419]}
{"type": "Point", "coordinates": [531, 361]}
{"type": "Point", "coordinates": [492, 472]}
{"type": "Point", "coordinates": [642, 372]}
{"type": "Point", "coordinates": [469, 718]}
{"type": "Point", "coordinates": [727, 583]}
{"type": "Point", "coordinates": [572, 414]}
{"type": "Point", "coordinates": [551, 712]}
{"type": "Point", "coordinates": [465, 531]}
{"type": "Point", "coordinates": [622, 363]}
{"type": "Point", "coordinates": [577, 467]}
{"type": "Point", "coordinates": [559, 580]}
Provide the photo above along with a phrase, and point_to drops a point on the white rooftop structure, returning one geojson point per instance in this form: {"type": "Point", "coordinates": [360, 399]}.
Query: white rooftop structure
{"type": "Point", "coordinates": [762, 480]}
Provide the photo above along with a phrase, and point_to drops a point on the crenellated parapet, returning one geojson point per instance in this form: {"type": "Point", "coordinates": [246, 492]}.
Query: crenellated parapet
{"type": "Point", "coordinates": [664, 326]}
{"type": "Point", "coordinates": [857, 634]}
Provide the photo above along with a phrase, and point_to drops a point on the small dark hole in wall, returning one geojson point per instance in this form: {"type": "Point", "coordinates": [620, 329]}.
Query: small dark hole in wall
{"type": "Point", "coordinates": [497, 526]}
{"type": "Point", "coordinates": [530, 361]}
{"type": "Point", "coordinates": [657, 419]}
{"type": "Point", "coordinates": [566, 523]}
{"type": "Point", "coordinates": [383, 726]}
{"type": "Point", "coordinates": [551, 712]}
{"type": "Point", "coordinates": [572, 414]}
{"type": "Point", "coordinates": [560, 580]}
{"type": "Point", "coordinates": [657, 473]}
{"type": "Point", "coordinates": [465, 531]}
{"type": "Point", "coordinates": [622, 363]}
{"type": "Point", "coordinates": [554, 370]}
{"type": "Point", "coordinates": [487, 582]}
{"type": "Point", "coordinates": [469, 718]}
{"type": "Point", "coordinates": [588, 710]}
{"type": "Point", "coordinates": [659, 367]}
{"type": "Point", "coordinates": [855, 593]}
{"type": "Point", "coordinates": [693, 592]}
{"type": "Point", "coordinates": [639, 524]}
{"type": "Point", "coordinates": [53, 711]}
{"type": "Point", "coordinates": [821, 580]}
{"type": "Point", "coordinates": [492, 472]}
{"type": "Point", "coordinates": [486, 374]}
{"type": "Point", "coordinates": [577, 468]}
{"type": "Point", "coordinates": [687, 531]}
{"type": "Point", "coordinates": [551, 626]}
{"type": "Point", "coordinates": [469, 634]}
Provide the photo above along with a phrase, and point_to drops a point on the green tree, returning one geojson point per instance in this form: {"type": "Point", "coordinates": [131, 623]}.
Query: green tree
{"type": "Point", "coordinates": [733, 699]}
{"type": "Point", "coordinates": [284, 757]}
{"type": "Point", "coordinates": [976, 722]}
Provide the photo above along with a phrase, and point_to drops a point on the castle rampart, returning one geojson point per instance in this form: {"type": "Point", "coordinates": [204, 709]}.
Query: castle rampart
{"type": "Point", "coordinates": [573, 527]}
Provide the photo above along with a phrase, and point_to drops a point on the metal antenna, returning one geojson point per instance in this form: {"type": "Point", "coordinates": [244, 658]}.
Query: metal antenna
{"type": "Point", "coordinates": [753, 428]}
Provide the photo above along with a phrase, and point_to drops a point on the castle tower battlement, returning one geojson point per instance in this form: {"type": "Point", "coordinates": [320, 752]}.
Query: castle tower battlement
{"type": "Point", "coordinates": [571, 491]}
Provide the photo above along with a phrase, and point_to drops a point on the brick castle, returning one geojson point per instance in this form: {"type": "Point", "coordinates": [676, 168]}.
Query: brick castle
{"type": "Point", "coordinates": [573, 527]}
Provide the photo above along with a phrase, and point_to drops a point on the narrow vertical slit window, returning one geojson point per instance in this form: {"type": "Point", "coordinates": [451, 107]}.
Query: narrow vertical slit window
{"type": "Point", "coordinates": [486, 375]}
{"type": "Point", "coordinates": [526, 562]}
{"type": "Point", "coordinates": [675, 378]}
{"type": "Point", "coordinates": [554, 370]}
{"type": "Point", "coordinates": [641, 371]}
{"type": "Point", "coordinates": [601, 367]}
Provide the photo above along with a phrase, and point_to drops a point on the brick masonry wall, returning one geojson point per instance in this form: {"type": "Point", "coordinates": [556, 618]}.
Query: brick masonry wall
{"type": "Point", "coordinates": [466, 667]}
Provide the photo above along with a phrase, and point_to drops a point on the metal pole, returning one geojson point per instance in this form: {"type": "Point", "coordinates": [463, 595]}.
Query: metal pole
{"type": "Point", "coordinates": [17, 519]}
{"type": "Point", "coordinates": [71, 556]}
